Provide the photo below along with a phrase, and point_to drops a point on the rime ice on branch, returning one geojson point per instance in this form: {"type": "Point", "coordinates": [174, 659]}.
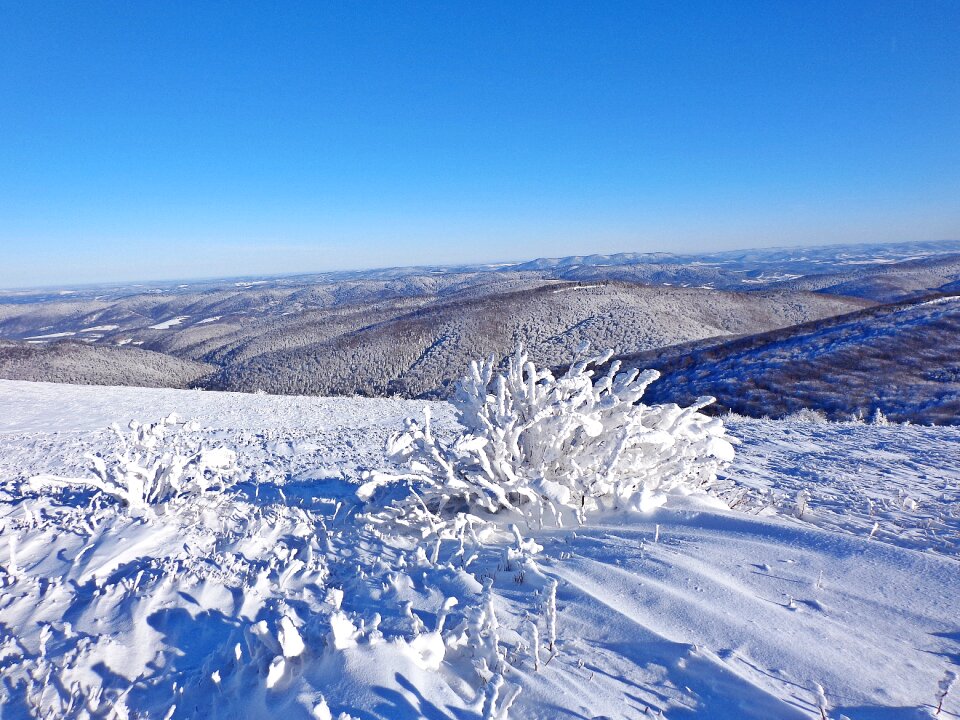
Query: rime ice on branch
{"type": "Point", "coordinates": [538, 444]}
{"type": "Point", "coordinates": [155, 463]}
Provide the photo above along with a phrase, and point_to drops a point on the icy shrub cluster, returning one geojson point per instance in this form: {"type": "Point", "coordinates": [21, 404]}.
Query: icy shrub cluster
{"type": "Point", "coordinates": [807, 415]}
{"type": "Point", "coordinates": [538, 444]}
{"type": "Point", "coordinates": [155, 463]}
{"type": "Point", "coordinates": [537, 448]}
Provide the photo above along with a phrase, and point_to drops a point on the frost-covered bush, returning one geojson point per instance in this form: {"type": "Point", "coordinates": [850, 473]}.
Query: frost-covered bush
{"type": "Point", "coordinates": [155, 463]}
{"type": "Point", "coordinates": [807, 415]}
{"type": "Point", "coordinates": [537, 444]}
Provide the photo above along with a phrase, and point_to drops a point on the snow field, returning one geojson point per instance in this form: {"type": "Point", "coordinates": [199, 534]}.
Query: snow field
{"type": "Point", "coordinates": [277, 598]}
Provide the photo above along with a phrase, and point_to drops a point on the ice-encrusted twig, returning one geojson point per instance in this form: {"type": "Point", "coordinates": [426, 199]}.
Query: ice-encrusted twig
{"type": "Point", "coordinates": [944, 687]}
{"type": "Point", "coordinates": [552, 616]}
{"type": "Point", "coordinates": [822, 704]}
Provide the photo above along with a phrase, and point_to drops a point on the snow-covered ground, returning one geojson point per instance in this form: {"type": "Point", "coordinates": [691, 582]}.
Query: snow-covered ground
{"type": "Point", "coordinates": [838, 568]}
{"type": "Point", "coordinates": [167, 324]}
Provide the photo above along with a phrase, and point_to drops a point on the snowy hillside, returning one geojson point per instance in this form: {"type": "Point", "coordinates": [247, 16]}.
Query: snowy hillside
{"type": "Point", "coordinates": [902, 359]}
{"type": "Point", "coordinates": [421, 353]}
{"type": "Point", "coordinates": [81, 363]}
{"type": "Point", "coordinates": [831, 589]}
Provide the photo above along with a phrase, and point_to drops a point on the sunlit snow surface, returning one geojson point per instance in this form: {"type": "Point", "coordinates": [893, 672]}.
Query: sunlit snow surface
{"type": "Point", "coordinates": [223, 608]}
{"type": "Point", "coordinates": [167, 324]}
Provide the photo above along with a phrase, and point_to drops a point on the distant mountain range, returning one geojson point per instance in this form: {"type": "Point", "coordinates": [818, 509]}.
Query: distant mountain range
{"type": "Point", "coordinates": [411, 331]}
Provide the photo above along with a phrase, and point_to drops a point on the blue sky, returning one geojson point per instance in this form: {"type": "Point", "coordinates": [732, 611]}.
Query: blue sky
{"type": "Point", "coordinates": [196, 139]}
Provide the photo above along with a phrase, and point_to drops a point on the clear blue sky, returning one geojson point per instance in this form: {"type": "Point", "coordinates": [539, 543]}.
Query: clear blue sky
{"type": "Point", "coordinates": [143, 140]}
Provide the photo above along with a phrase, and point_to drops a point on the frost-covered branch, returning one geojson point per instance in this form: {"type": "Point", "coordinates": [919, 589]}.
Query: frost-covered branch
{"type": "Point", "coordinates": [155, 463]}
{"type": "Point", "coordinates": [539, 444]}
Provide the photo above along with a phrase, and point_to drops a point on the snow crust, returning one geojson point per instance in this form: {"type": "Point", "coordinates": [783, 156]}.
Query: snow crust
{"type": "Point", "coordinates": [277, 599]}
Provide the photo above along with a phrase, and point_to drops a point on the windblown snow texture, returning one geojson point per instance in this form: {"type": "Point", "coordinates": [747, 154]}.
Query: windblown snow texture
{"type": "Point", "coordinates": [834, 582]}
